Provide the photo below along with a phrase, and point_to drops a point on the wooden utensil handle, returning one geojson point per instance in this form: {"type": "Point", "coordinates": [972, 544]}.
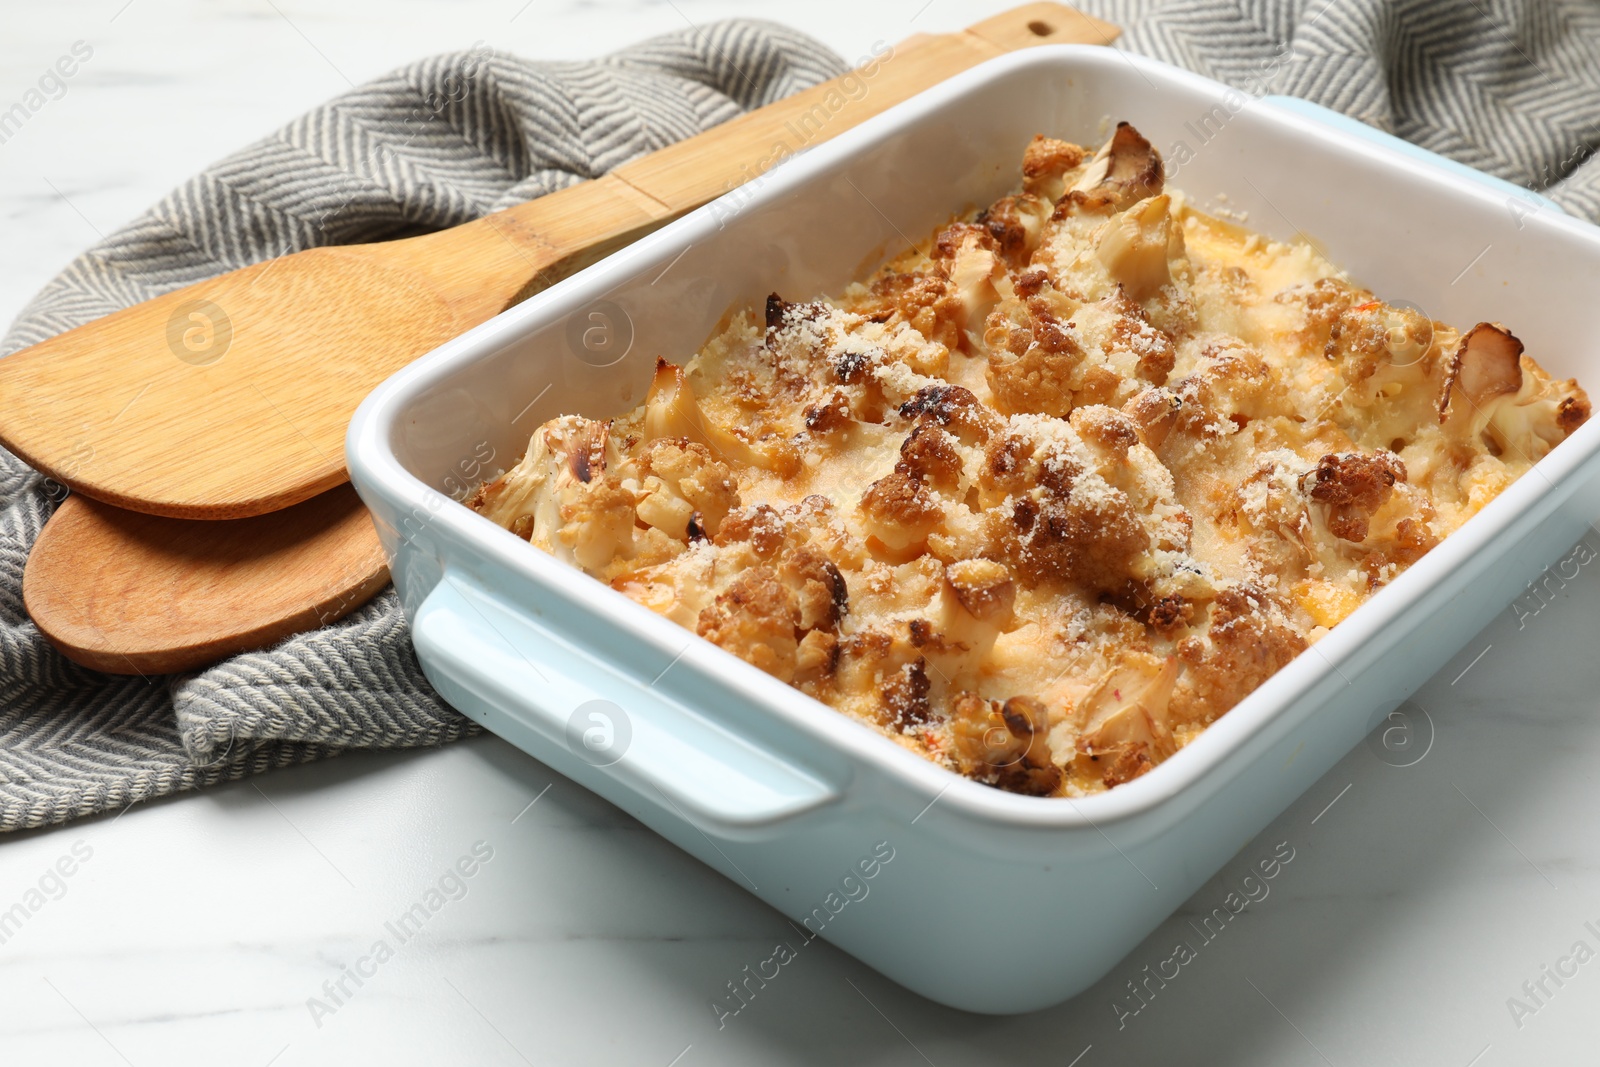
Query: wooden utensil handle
{"type": "Point", "coordinates": [654, 189]}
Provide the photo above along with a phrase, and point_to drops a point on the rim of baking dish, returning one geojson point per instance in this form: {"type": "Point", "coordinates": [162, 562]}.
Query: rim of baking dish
{"type": "Point", "coordinates": [1186, 773]}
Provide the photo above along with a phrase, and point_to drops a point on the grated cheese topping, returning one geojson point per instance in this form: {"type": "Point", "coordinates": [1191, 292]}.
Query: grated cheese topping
{"type": "Point", "coordinates": [1051, 492]}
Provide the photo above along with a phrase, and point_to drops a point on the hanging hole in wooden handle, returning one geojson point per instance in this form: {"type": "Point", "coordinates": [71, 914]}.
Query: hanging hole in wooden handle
{"type": "Point", "coordinates": [1042, 23]}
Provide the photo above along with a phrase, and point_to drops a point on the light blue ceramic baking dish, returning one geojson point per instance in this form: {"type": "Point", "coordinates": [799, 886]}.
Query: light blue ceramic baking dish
{"type": "Point", "coordinates": [990, 901]}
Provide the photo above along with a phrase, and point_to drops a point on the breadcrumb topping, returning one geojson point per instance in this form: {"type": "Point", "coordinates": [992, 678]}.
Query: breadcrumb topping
{"type": "Point", "coordinates": [1051, 492]}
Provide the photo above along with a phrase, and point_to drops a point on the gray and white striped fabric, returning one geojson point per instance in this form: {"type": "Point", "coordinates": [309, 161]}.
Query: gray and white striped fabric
{"type": "Point", "coordinates": [1509, 86]}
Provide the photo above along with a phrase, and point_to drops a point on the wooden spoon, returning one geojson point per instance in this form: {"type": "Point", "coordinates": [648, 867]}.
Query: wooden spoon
{"type": "Point", "coordinates": [140, 594]}
{"type": "Point", "coordinates": [230, 397]}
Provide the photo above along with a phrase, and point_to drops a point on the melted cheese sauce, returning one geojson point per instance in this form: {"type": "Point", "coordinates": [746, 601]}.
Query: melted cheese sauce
{"type": "Point", "coordinates": [1049, 494]}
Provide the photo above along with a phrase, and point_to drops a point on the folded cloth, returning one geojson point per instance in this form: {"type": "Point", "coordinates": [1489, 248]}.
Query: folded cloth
{"type": "Point", "coordinates": [1509, 86]}
{"type": "Point", "coordinates": [432, 145]}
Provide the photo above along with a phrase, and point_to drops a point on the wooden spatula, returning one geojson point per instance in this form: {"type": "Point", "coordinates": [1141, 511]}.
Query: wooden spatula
{"type": "Point", "coordinates": [230, 397]}
{"type": "Point", "coordinates": [121, 409]}
{"type": "Point", "coordinates": [140, 594]}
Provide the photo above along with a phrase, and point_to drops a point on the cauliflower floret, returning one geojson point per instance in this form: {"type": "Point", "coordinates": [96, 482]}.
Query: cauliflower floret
{"type": "Point", "coordinates": [1390, 361]}
{"type": "Point", "coordinates": [1016, 223]}
{"type": "Point", "coordinates": [1005, 743]}
{"type": "Point", "coordinates": [900, 511]}
{"type": "Point", "coordinates": [1139, 245]}
{"type": "Point", "coordinates": [1035, 356]}
{"type": "Point", "coordinates": [1121, 724]}
{"type": "Point", "coordinates": [1047, 164]}
{"type": "Point", "coordinates": [1353, 485]}
{"type": "Point", "coordinates": [1127, 169]}
{"type": "Point", "coordinates": [755, 619]}
{"type": "Point", "coordinates": [822, 595]}
{"type": "Point", "coordinates": [688, 491]}
{"type": "Point", "coordinates": [1069, 524]}
{"type": "Point", "coordinates": [1508, 399]}
{"type": "Point", "coordinates": [1248, 639]}
{"type": "Point", "coordinates": [560, 498]}
{"type": "Point", "coordinates": [671, 409]}
{"type": "Point", "coordinates": [924, 299]}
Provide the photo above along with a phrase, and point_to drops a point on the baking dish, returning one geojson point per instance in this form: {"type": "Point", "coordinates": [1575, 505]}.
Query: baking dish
{"type": "Point", "coordinates": [990, 901]}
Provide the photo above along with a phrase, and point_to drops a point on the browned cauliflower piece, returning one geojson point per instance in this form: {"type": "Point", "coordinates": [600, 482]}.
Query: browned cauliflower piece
{"type": "Point", "coordinates": [830, 415]}
{"type": "Point", "coordinates": [899, 510]}
{"type": "Point", "coordinates": [954, 408]}
{"type": "Point", "coordinates": [1151, 347]}
{"type": "Point", "coordinates": [1230, 387]}
{"type": "Point", "coordinates": [821, 593]}
{"type": "Point", "coordinates": [755, 618]}
{"type": "Point", "coordinates": [687, 491]}
{"type": "Point", "coordinates": [1015, 224]}
{"type": "Point", "coordinates": [1154, 413]}
{"type": "Point", "coordinates": [974, 606]}
{"type": "Point", "coordinates": [885, 673]}
{"type": "Point", "coordinates": [1508, 399]}
{"type": "Point", "coordinates": [1353, 485]}
{"type": "Point", "coordinates": [1071, 526]}
{"type": "Point", "coordinates": [929, 454]}
{"type": "Point", "coordinates": [984, 588]}
{"type": "Point", "coordinates": [560, 498]}
{"type": "Point", "coordinates": [761, 525]}
{"type": "Point", "coordinates": [925, 299]}
{"type": "Point", "coordinates": [1320, 303]}
{"type": "Point", "coordinates": [1004, 743]}
{"type": "Point", "coordinates": [1249, 638]}
{"type": "Point", "coordinates": [1034, 356]}
{"type": "Point", "coordinates": [1046, 163]}
{"type": "Point", "coordinates": [1412, 540]}
{"type": "Point", "coordinates": [1127, 169]}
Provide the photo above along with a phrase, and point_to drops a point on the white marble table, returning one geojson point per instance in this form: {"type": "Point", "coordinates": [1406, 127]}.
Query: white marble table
{"type": "Point", "coordinates": [199, 929]}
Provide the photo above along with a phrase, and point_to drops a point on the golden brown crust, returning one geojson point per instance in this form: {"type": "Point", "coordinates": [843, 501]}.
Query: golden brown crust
{"type": "Point", "coordinates": [983, 587]}
{"type": "Point", "coordinates": [1353, 485]}
{"type": "Point", "coordinates": [1051, 493]}
{"type": "Point", "coordinates": [755, 619]}
{"type": "Point", "coordinates": [1046, 159]}
{"type": "Point", "coordinates": [1573, 410]}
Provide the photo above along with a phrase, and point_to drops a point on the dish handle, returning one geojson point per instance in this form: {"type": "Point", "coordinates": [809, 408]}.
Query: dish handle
{"type": "Point", "coordinates": [506, 667]}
